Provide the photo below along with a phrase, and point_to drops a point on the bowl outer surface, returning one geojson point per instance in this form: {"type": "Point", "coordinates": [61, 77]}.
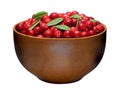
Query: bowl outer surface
{"type": "Point", "coordinates": [59, 60]}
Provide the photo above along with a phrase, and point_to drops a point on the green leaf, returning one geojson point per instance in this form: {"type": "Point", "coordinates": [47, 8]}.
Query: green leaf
{"type": "Point", "coordinates": [76, 16]}
{"type": "Point", "coordinates": [94, 20]}
{"type": "Point", "coordinates": [55, 21]}
{"type": "Point", "coordinates": [35, 24]}
{"type": "Point", "coordinates": [39, 14]}
{"type": "Point", "coordinates": [62, 27]}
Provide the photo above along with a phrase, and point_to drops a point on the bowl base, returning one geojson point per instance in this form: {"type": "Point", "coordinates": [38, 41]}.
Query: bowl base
{"type": "Point", "coordinates": [60, 82]}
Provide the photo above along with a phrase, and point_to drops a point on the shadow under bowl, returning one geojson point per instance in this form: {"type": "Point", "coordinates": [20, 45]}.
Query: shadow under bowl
{"type": "Point", "coordinates": [59, 60]}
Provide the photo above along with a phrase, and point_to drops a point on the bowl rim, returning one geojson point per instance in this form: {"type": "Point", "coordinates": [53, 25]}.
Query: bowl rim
{"type": "Point", "coordinates": [34, 37]}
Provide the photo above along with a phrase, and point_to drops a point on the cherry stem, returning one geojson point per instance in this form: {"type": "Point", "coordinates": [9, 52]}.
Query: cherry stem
{"type": "Point", "coordinates": [78, 20]}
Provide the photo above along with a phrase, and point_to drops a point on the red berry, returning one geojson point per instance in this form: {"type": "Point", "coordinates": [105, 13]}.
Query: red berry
{"type": "Point", "coordinates": [43, 26]}
{"type": "Point", "coordinates": [82, 15]}
{"type": "Point", "coordinates": [48, 33]}
{"type": "Point", "coordinates": [23, 31]}
{"type": "Point", "coordinates": [57, 33]}
{"type": "Point", "coordinates": [44, 17]}
{"type": "Point", "coordinates": [89, 24]}
{"type": "Point", "coordinates": [30, 32]}
{"type": "Point", "coordinates": [76, 34]}
{"type": "Point", "coordinates": [100, 28]}
{"type": "Point", "coordinates": [60, 14]}
{"type": "Point", "coordinates": [74, 22]}
{"type": "Point", "coordinates": [84, 34]}
{"type": "Point", "coordinates": [69, 13]}
{"type": "Point", "coordinates": [72, 29]}
{"type": "Point", "coordinates": [84, 19]}
{"type": "Point", "coordinates": [26, 26]}
{"type": "Point", "coordinates": [19, 27]}
{"type": "Point", "coordinates": [47, 20]}
{"type": "Point", "coordinates": [37, 30]}
{"type": "Point", "coordinates": [29, 20]}
{"type": "Point", "coordinates": [67, 34]}
{"type": "Point", "coordinates": [91, 32]}
{"type": "Point", "coordinates": [53, 28]}
{"type": "Point", "coordinates": [81, 27]}
{"type": "Point", "coordinates": [75, 12]}
{"type": "Point", "coordinates": [54, 15]}
{"type": "Point", "coordinates": [68, 21]}
{"type": "Point", "coordinates": [33, 21]}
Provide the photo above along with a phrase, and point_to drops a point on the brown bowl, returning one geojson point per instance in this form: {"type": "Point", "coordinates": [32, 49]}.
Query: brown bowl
{"type": "Point", "coordinates": [59, 60]}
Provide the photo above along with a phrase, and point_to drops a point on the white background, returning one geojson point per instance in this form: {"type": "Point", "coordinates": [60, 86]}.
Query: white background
{"type": "Point", "coordinates": [14, 76]}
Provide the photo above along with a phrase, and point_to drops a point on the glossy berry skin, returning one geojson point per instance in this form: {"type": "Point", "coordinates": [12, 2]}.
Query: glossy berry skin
{"type": "Point", "coordinates": [73, 22]}
{"type": "Point", "coordinates": [81, 27]}
{"type": "Point", "coordinates": [68, 22]}
{"type": "Point", "coordinates": [43, 26]}
{"type": "Point", "coordinates": [72, 29]}
{"type": "Point", "coordinates": [48, 33]}
{"type": "Point", "coordinates": [69, 13]}
{"type": "Point", "coordinates": [47, 20]}
{"type": "Point", "coordinates": [84, 34]}
{"type": "Point", "coordinates": [75, 12]}
{"type": "Point", "coordinates": [54, 15]}
{"type": "Point", "coordinates": [44, 17]}
{"type": "Point", "coordinates": [89, 24]}
{"type": "Point", "coordinates": [23, 31]}
{"type": "Point", "coordinates": [67, 34]}
{"type": "Point", "coordinates": [19, 27]}
{"type": "Point", "coordinates": [30, 32]}
{"type": "Point", "coordinates": [36, 30]}
{"type": "Point", "coordinates": [57, 34]}
{"type": "Point", "coordinates": [100, 28]}
{"type": "Point", "coordinates": [76, 34]}
{"type": "Point", "coordinates": [91, 32]}
{"type": "Point", "coordinates": [26, 26]}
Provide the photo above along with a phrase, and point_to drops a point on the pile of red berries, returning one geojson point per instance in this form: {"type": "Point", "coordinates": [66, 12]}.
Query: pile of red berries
{"type": "Point", "coordinates": [60, 25]}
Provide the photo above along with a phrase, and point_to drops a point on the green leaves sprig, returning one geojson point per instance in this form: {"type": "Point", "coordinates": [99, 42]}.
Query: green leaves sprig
{"type": "Point", "coordinates": [55, 21]}
{"type": "Point", "coordinates": [62, 27]}
{"type": "Point", "coordinates": [78, 17]}
{"type": "Point", "coordinates": [37, 16]}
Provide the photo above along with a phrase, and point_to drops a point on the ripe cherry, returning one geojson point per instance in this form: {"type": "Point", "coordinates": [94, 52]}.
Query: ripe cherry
{"type": "Point", "coordinates": [19, 27]}
{"type": "Point", "coordinates": [84, 34]}
{"type": "Point", "coordinates": [69, 13]}
{"type": "Point", "coordinates": [26, 25]}
{"type": "Point", "coordinates": [57, 33]}
{"type": "Point", "coordinates": [73, 22]}
{"type": "Point", "coordinates": [81, 26]}
{"type": "Point", "coordinates": [89, 24]}
{"type": "Point", "coordinates": [44, 17]}
{"type": "Point", "coordinates": [100, 28]}
{"type": "Point", "coordinates": [68, 21]}
{"type": "Point", "coordinates": [43, 26]}
{"type": "Point", "coordinates": [37, 30]}
{"type": "Point", "coordinates": [72, 29]}
{"type": "Point", "coordinates": [91, 32]}
{"type": "Point", "coordinates": [30, 32]}
{"type": "Point", "coordinates": [47, 20]}
{"type": "Point", "coordinates": [53, 28]}
{"type": "Point", "coordinates": [48, 33]}
{"type": "Point", "coordinates": [67, 34]}
{"type": "Point", "coordinates": [75, 12]}
{"type": "Point", "coordinates": [23, 31]}
{"type": "Point", "coordinates": [54, 15]}
{"type": "Point", "coordinates": [76, 34]}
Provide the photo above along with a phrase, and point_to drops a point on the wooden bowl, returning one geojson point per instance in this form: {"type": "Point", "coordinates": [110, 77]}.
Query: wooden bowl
{"type": "Point", "coordinates": [59, 60]}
